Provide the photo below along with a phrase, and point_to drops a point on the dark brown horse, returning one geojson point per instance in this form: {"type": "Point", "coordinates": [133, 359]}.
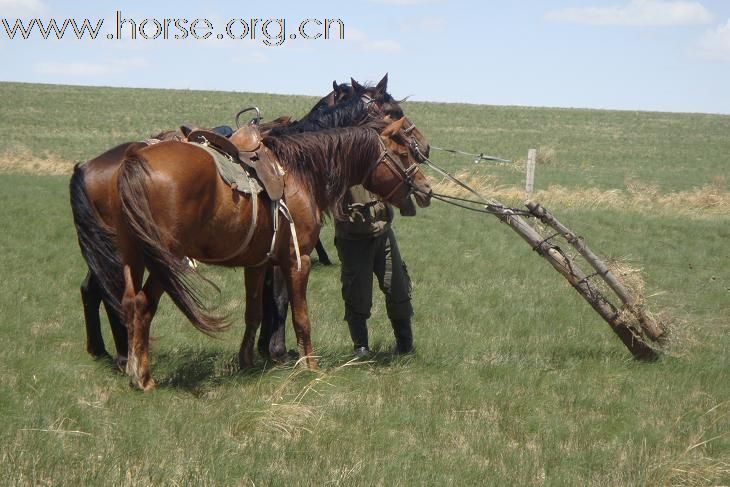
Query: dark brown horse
{"type": "Point", "coordinates": [89, 202]}
{"type": "Point", "coordinates": [168, 201]}
{"type": "Point", "coordinates": [354, 105]}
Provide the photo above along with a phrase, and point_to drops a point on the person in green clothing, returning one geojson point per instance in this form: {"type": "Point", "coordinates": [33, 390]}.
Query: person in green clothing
{"type": "Point", "coordinates": [366, 246]}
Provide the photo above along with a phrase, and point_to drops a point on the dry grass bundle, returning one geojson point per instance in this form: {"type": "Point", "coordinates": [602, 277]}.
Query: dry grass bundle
{"type": "Point", "coordinates": [545, 155]}
{"type": "Point", "coordinates": [631, 277]}
{"type": "Point", "coordinates": [710, 199]}
{"type": "Point", "coordinates": [287, 410]}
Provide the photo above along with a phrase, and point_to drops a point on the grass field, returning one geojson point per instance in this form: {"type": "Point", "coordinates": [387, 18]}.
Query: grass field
{"type": "Point", "coordinates": [516, 381]}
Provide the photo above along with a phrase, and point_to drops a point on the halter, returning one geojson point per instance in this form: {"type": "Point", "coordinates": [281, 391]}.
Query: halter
{"type": "Point", "coordinates": [405, 176]}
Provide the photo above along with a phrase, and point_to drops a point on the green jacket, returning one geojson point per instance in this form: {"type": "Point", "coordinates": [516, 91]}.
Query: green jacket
{"type": "Point", "coordinates": [366, 216]}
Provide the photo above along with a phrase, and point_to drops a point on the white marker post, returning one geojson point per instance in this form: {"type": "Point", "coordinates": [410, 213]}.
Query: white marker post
{"type": "Point", "coordinates": [530, 179]}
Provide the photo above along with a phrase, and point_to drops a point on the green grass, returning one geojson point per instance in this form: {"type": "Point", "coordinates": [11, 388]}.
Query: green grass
{"type": "Point", "coordinates": [516, 380]}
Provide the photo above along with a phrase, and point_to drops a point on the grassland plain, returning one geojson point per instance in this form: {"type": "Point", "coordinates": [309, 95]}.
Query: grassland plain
{"type": "Point", "coordinates": [516, 381]}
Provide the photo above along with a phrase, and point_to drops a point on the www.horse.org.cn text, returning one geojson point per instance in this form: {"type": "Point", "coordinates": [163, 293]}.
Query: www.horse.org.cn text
{"type": "Point", "coordinates": [269, 31]}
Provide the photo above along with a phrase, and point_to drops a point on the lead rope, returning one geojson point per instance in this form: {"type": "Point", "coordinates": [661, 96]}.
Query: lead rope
{"type": "Point", "coordinates": [490, 205]}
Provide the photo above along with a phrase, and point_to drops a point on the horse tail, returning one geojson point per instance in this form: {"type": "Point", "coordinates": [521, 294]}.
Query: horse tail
{"type": "Point", "coordinates": [97, 243]}
{"type": "Point", "coordinates": [174, 275]}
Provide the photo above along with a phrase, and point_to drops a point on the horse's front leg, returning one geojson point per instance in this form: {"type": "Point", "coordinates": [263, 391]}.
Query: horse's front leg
{"type": "Point", "coordinates": [297, 283]}
{"type": "Point", "coordinates": [272, 337]}
{"type": "Point", "coordinates": [254, 278]}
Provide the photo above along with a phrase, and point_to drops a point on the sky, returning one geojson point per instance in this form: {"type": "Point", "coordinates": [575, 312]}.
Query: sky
{"type": "Point", "coordinates": [655, 55]}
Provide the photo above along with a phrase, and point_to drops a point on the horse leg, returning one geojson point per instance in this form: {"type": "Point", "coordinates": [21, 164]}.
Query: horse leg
{"type": "Point", "coordinates": [324, 259]}
{"type": "Point", "coordinates": [139, 309]}
{"type": "Point", "coordinates": [91, 299]}
{"type": "Point", "coordinates": [272, 337]}
{"type": "Point", "coordinates": [297, 284]}
{"type": "Point", "coordinates": [268, 313]}
{"type": "Point", "coordinates": [277, 342]}
{"type": "Point", "coordinates": [254, 277]}
{"type": "Point", "coordinates": [119, 332]}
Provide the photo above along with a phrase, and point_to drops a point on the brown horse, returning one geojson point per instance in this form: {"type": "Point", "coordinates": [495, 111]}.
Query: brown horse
{"type": "Point", "coordinates": [168, 201]}
{"type": "Point", "coordinates": [90, 205]}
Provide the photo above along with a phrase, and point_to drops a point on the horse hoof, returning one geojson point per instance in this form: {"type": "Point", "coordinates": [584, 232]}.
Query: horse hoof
{"type": "Point", "coordinates": [149, 385]}
{"type": "Point", "coordinates": [121, 362]}
{"type": "Point", "coordinates": [98, 355]}
{"type": "Point", "coordinates": [245, 362]}
{"type": "Point", "coordinates": [144, 385]}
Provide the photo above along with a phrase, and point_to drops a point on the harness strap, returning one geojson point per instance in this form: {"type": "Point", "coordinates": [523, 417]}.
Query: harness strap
{"type": "Point", "coordinates": [279, 206]}
{"type": "Point", "coordinates": [292, 228]}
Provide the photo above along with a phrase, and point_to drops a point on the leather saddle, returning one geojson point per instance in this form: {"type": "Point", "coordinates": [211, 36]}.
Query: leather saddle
{"type": "Point", "coordinates": [245, 145]}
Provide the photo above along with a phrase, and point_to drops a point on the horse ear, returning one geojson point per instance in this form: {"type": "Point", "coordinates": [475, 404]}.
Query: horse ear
{"type": "Point", "coordinates": [382, 85]}
{"type": "Point", "coordinates": [356, 86]}
{"type": "Point", "coordinates": [394, 127]}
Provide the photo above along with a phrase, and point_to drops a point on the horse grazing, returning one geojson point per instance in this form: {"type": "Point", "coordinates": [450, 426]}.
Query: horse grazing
{"type": "Point", "coordinates": [168, 201]}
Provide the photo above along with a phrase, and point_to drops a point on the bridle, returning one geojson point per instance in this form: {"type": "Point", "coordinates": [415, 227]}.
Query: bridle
{"type": "Point", "coordinates": [405, 176]}
{"type": "Point", "coordinates": [413, 144]}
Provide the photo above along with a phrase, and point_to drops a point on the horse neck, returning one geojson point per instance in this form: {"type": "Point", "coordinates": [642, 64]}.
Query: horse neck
{"type": "Point", "coordinates": [346, 157]}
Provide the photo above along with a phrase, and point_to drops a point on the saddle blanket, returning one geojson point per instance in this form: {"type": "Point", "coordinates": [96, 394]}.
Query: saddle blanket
{"type": "Point", "coordinates": [232, 172]}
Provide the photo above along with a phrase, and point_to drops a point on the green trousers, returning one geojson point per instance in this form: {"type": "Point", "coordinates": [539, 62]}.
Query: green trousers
{"type": "Point", "coordinates": [379, 256]}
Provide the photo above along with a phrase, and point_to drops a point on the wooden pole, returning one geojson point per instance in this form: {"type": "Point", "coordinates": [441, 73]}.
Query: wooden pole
{"type": "Point", "coordinates": [630, 337]}
{"type": "Point", "coordinates": [649, 325]}
{"type": "Point", "coordinates": [530, 176]}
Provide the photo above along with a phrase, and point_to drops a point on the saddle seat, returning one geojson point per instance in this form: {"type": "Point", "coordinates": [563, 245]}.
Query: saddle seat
{"type": "Point", "coordinates": [245, 146]}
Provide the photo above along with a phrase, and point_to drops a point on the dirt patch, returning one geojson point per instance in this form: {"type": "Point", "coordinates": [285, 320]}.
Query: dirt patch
{"type": "Point", "coordinates": [23, 161]}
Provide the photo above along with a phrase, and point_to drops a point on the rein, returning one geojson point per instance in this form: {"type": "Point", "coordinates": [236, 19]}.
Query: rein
{"type": "Point", "coordinates": [486, 205]}
{"type": "Point", "coordinates": [477, 157]}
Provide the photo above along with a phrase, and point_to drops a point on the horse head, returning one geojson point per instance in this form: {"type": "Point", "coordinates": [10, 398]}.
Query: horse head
{"type": "Point", "coordinates": [397, 174]}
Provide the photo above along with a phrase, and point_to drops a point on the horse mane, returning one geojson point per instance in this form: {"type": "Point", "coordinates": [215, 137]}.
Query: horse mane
{"type": "Point", "coordinates": [325, 160]}
{"type": "Point", "coordinates": [348, 113]}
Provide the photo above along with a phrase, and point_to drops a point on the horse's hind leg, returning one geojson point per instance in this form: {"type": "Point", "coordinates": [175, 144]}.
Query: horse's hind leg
{"type": "Point", "coordinates": [119, 332]}
{"type": "Point", "coordinates": [91, 299]}
{"type": "Point", "coordinates": [139, 310]}
{"type": "Point", "coordinates": [297, 284]}
{"type": "Point", "coordinates": [254, 277]}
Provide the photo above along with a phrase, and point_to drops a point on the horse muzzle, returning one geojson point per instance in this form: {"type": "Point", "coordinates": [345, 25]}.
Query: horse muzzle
{"type": "Point", "coordinates": [423, 196]}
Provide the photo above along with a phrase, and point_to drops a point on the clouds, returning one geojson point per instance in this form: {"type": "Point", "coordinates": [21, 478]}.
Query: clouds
{"type": "Point", "coordinates": [714, 45]}
{"type": "Point", "coordinates": [637, 13]}
{"type": "Point", "coordinates": [362, 40]}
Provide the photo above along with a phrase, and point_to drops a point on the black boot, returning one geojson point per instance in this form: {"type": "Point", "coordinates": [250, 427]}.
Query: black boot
{"type": "Point", "coordinates": [403, 336]}
{"type": "Point", "coordinates": [359, 334]}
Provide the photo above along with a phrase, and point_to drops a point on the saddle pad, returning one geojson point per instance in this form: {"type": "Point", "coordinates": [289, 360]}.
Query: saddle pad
{"type": "Point", "coordinates": [232, 172]}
